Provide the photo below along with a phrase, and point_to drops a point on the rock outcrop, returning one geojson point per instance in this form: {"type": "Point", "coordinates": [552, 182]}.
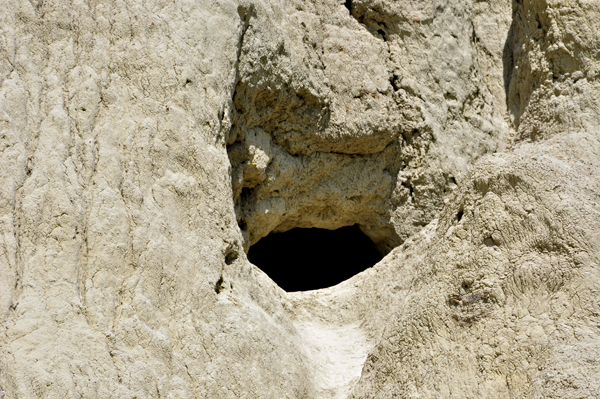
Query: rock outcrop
{"type": "Point", "coordinates": [145, 146]}
{"type": "Point", "coordinates": [367, 114]}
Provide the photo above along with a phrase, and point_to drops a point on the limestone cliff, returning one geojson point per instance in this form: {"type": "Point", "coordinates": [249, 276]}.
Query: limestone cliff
{"type": "Point", "coordinates": [146, 145]}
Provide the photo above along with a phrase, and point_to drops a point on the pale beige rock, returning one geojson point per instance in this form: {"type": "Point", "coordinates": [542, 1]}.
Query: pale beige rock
{"type": "Point", "coordinates": [144, 146]}
{"type": "Point", "coordinates": [117, 212]}
{"type": "Point", "coordinates": [504, 304]}
{"type": "Point", "coordinates": [406, 102]}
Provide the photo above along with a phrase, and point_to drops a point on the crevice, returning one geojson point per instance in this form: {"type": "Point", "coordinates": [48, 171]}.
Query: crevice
{"type": "Point", "coordinates": [231, 256]}
{"type": "Point", "coordinates": [508, 65]}
{"type": "Point", "coordinates": [474, 38]}
{"type": "Point", "coordinates": [219, 285]}
{"type": "Point", "coordinates": [490, 242]}
{"type": "Point", "coordinates": [395, 82]}
{"type": "Point", "coordinates": [410, 188]}
{"type": "Point", "coordinates": [466, 286]}
{"type": "Point", "coordinates": [348, 5]}
{"type": "Point", "coordinates": [459, 215]}
{"type": "Point", "coordinates": [246, 193]}
{"type": "Point", "coordinates": [245, 14]}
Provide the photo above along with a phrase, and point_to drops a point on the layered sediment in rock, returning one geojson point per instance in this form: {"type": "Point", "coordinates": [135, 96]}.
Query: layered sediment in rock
{"type": "Point", "coordinates": [146, 146]}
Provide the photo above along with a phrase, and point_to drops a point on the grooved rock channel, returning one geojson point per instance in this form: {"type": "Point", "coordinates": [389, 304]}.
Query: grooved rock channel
{"type": "Point", "coordinates": [147, 146]}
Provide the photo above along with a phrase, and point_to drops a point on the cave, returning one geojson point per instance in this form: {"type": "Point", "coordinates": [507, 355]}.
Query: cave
{"type": "Point", "coordinates": [308, 259]}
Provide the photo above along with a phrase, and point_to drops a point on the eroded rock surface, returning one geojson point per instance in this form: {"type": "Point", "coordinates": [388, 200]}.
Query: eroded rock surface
{"type": "Point", "coordinates": [366, 115]}
{"type": "Point", "coordinates": [144, 146]}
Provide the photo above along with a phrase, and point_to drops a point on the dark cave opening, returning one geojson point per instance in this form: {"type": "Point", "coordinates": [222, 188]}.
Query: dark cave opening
{"type": "Point", "coordinates": [310, 259]}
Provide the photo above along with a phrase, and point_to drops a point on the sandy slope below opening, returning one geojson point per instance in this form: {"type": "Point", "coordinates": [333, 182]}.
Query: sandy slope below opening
{"type": "Point", "coordinates": [341, 325]}
{"type": "Point", "coordinates": [338, 352]}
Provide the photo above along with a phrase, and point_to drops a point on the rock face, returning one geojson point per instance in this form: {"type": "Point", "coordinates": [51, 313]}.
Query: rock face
{"type": "Point", "coordinates": [145, 146]}
{"type": "Point", "coordinates": [364, 115]}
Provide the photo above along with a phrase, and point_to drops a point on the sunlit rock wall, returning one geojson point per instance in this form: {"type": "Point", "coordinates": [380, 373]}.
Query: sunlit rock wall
{"type": "Point", "coordinates": [146, 145]}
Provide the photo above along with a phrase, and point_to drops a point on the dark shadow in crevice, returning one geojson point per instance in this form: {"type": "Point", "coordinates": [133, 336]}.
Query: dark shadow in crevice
{"type": "Point", "coordinates": [348, 5]}
{"type": "Point", "coordinates": [309, 259]}
{"type": "Point", "coordinates": [459, 215]}
{"type": "Point", "coordinates": [508, 65]}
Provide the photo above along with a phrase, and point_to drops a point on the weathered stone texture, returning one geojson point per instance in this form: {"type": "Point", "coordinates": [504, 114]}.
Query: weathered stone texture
{"type": "Point", "coordinates": [144, 146]}
{"type": "Point", "coordinates": [375, 111]}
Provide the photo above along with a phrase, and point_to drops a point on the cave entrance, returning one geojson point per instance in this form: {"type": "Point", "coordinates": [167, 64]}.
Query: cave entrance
{"type": "Point", "coordinates": [309, 259]}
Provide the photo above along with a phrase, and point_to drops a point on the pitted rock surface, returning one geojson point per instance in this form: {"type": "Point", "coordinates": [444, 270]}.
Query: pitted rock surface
{"type": "Point", "coordinates": [146, 145]}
